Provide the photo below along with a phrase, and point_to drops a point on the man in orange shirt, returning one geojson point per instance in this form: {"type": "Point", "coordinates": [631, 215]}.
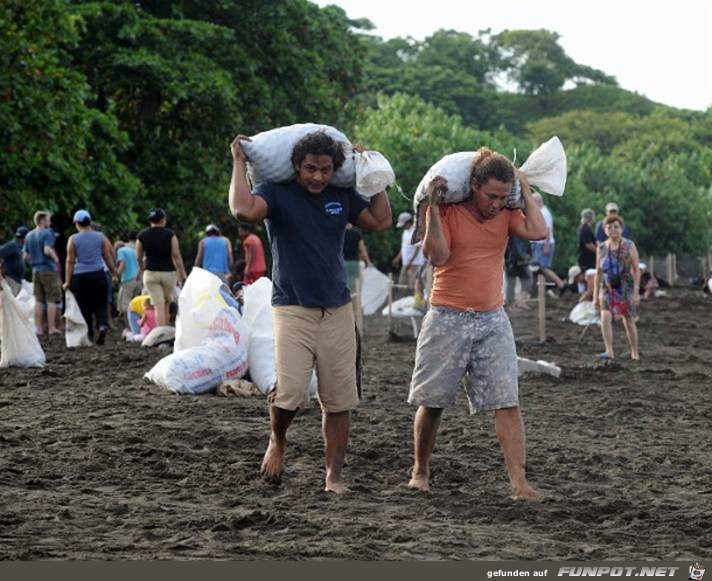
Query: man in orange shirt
{"type": "Point", "coordinates": [466, 333]}
{"type": "Point", "coordinates": [255, 264]}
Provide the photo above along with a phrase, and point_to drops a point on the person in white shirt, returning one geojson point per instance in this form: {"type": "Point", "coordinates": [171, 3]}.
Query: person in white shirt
{"type": "Point", "coordinates": [543, 251]}
{"type": "Point", "coordinates": [410, 258]}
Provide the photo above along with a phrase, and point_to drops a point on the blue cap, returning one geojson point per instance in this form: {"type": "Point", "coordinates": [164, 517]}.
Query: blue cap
{"type": "Point", "coordinates": [21, 232]}
{"type": "Point", "coordinates": [81, 216]}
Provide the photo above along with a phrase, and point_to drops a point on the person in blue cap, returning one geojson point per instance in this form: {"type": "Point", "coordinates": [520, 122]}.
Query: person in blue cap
{"type": "Point", "coordinates": [12, 265]}
{"type": "Point", "coordinates": [85, 273]}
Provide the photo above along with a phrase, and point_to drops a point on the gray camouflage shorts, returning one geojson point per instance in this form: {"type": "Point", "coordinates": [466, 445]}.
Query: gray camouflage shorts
{"type": "Point", "coordinates": [477, 347]}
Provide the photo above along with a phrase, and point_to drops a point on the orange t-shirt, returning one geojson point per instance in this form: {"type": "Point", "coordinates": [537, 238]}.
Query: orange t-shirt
{"type": "Point", "coordinates": [472, 276]}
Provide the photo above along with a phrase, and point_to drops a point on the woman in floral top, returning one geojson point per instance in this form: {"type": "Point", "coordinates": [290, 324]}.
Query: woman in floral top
{"type": "Point", "coordinates": [616, 289]}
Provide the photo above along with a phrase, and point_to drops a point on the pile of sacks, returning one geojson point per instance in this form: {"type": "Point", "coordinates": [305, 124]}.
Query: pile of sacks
{"type": "Point", "coordinates": [214, 344]}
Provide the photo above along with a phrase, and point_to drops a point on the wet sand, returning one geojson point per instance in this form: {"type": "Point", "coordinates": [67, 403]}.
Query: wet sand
{"type": "Point", "coordinates": [97, 464]}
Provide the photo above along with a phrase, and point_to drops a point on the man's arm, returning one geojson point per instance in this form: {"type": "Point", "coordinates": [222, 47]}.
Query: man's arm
{"type": "Point", "coordinates": [243, 204]}
{"type": "Point", "coordinates": [139, 259]}
{"type": "Point", "coordinates": [177, 259]}
{"type": "Point", "coordinates": [230, 258]}
{"type": "Point", "coordinates": [435, 246]}
{"type": "Point", "coordinates": [69, 263]}
{"type": "Point", "coordinates": [108, 252]}
{"type": "Point", "coordinates": [378, 215]}
{"type": "Point", "coordinates": [534, 226]}
{"type": "Point", "coordinates": [363, 253]}
{"type": "Point", "coordinates": [50, 251]}
{"type": "Point", "coordinates": [199, 258]}
{"type": "Point", "coordinates": [121, 266]}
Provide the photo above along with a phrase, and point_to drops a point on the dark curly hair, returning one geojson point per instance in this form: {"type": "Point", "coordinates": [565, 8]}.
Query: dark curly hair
{"type": "Point", "coordinates": [318, 143]}
{"type": "Point", "coordinates": [490, 164]}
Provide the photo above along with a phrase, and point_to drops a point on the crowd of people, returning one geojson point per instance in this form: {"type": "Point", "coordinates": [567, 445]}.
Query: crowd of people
{"type": "Point", "coordinates": [136, 279]}
{"type": "Point", "coordinates": [469, 252]}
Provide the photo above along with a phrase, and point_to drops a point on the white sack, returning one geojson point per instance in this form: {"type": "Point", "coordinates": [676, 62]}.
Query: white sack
{"type": "Point", "coordinates": [163, 334]}
{"type": "Point", "coordinates": [269, 154]}
{"type": "Point", "coordinates": [202, 311]}
{"type": "Point", "coordinates": [258, 315]}
{"type": "Point", "coordinates": [20, 346]}
{"type": "Point", "coordinates": [261, 358]}
{"type": "Point", "coordinates": [539, 366]}
{"type": "Point", "coordinates": [201, 369]}
{"type": "Point", "coordinates": [373, 173]}
{"type": "Point", "coordinates": [374, 290]}
{"type": "Point", "coordinates": [584, 314]}
{"type": "Point", "coordinates": [404, 307]}
{"type": "Point", "coordinates": [545, 168]}
{"type": "Point", "coordinates": [76, 332]}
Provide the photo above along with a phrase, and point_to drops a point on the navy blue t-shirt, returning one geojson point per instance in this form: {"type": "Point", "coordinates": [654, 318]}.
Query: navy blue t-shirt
{"type": "Point", "coordinates": [306, 234]}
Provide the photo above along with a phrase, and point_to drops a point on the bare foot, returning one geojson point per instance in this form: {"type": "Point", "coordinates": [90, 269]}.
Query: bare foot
{"type": "Point", "coordinates": [273, 463]}
{"type": "Point", "coordinates": [335, 486]}
{"type": "Point", "coordinates": [55, 332]}
{"type": "Point", "coordinates": [419, 482]}
{"type": "Point", "coordinates": [525, 492]}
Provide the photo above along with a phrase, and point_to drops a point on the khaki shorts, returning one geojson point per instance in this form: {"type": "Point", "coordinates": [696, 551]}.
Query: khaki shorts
{"type": "Point", "coordinates": [127, 291]}
{"type": "Point", "coordinates": [46, 287]}
{"type": "Point", "coordinates": [305, 337]}
{"type": "Point", "coordinates": [160, 285]}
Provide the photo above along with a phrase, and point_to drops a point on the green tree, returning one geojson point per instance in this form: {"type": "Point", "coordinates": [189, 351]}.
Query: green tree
{"type": "Point", "coordinates": [57, 152]}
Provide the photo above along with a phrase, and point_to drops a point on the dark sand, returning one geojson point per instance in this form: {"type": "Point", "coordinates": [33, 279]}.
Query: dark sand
{"type": "Point", "coordinates": [97, 464]}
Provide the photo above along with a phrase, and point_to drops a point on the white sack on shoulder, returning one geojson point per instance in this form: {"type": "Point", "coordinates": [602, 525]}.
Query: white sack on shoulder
{"type": "Point", "coordinates": [456, 168]}
{"type": "Point", "coordinates": [76, 332]}
{"type": "Point", "coordinates": [269, 154]}
{"type": "Point", "coordinates": [373, 173]}
{"type": "Point", "coordinates": [545, 168]}
{"type": "Point", "coordinates": [20, 346]}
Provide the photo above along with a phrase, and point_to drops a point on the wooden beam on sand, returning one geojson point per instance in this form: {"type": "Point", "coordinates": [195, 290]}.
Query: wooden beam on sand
{"type": "Point", "coordinates": [541, 282]}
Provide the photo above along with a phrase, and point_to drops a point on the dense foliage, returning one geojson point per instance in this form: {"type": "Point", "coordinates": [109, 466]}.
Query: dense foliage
{"type": "Point", "coordinates": [121, 105]}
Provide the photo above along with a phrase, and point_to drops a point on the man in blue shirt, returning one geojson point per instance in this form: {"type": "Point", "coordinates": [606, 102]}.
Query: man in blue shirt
{"type": "Point", "coordinates": [13, 265]}
{"type": "Point", "coordinates": [40, 253]}
{"type": "Point", "coordinates": [128, 272]}
{"type": "Point", "coordinates": [313, 318]}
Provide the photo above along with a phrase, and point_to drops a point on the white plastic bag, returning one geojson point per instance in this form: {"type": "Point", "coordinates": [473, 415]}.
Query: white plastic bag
{"type": "Point", "coordinates": [404, 307]}
{"type": "Point", "coordinates": [201, 369]}
{"type": "Point", "coordinates": [261, 357]}
{"type": "Point", "coordinates": [545, 168]}
{"type": "Point", "coordinates": [76, 332]}
{"type": "Point", "coordinates": [269, 154]}
{"type": "Point", "coordinates": [539, 366]}
{"type": "Point", "coordinates": [202, 311]}
{"type": "Point", "coordinates": [159, 335]}
{"type": "Point", "coordinates": [20, 347]}
{"type": "Point", "coordinates": [584, 314]}
{"type": "Point", "coordinates": [373, 173]}
{"type": "Point", "coordinates": [258, 315]}
{"type": "Point", "coordinates": [374, 290]}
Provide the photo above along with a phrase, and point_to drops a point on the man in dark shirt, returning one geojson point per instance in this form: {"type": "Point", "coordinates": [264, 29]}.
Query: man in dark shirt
{"type": "Point", "coordinates": [313, 318]}
{"type": "Point", "coordinates": [611, 210]}
{"type": "Point", "coordinates": [13, 265]}
{"type": "Point", "coordinates": [587, 241]}
{"type": "Point", "coordinates": [163, 266]}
